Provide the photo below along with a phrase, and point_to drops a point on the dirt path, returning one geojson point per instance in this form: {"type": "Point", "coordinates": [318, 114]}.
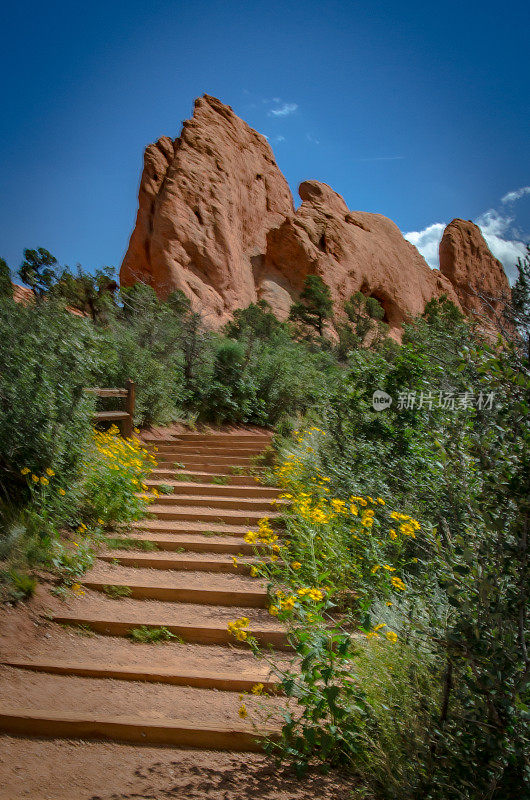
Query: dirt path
{"type": "Point", "coordinates": [71, 676]}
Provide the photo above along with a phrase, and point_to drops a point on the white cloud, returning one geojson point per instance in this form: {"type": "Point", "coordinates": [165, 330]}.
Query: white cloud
{"type": "Point", "coordinates": [427, 241]}
{"type": "Point", "coordinates": [496, 230]}
{"type": "Point", "coordinates": [511, 197]}
{"type": "Point", "coordinates": [312, 139]}
{"type": "Point", "coordinates": [283, 110]}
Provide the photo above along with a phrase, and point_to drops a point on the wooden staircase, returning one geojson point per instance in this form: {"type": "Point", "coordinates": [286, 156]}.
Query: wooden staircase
{"type": "Point", "coordinates": [186, 692]}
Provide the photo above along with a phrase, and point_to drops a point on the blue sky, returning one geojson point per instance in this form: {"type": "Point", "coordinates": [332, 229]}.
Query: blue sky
{"type": "Point", "coordinates": [417, 111]}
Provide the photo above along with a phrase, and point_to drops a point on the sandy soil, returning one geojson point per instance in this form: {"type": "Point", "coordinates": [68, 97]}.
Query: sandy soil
{"type": "Point", "coordinates": [68, 770]}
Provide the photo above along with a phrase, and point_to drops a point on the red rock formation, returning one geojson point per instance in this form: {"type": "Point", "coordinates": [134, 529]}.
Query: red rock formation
{"type": "Point", "coordinates": [206, 203]}
{"type": "Point", "coordinates": [351, 251]}
{"type": "Point", "coordinates": [216, 220]}
{"type": "Point", "coordinates": [478, 277]}
{"type": "Point", "coordinates": [22, 294]}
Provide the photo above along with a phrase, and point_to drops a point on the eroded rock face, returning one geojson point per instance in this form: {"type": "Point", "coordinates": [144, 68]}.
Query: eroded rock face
{"type": "Point", "coordinates": [216, 220]}
{"type": "Point", "coordinates": [206, 202]}
{"type": "Point", "coordinates": [478, 277]}
{"type": "Point", "coordinates": [352, 251]}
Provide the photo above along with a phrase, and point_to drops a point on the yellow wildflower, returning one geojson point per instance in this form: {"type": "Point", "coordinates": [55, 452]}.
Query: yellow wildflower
{"type": "Point", "coordinates": [35, 478]}
{"type": "Point", "coordinates": [274, 611]}
{"type": "Point", "coordinates": [62, 492]}
{"type": "Point", "coordinates": [25, 471]}
{"type": "Point", "coordinates": [243, 713]}
{"type": "Point", "coordinates": [289, 603]}
{"type": "Point", "coordinates": [391, 636]}
{"type": "Point", "coordinates": [258, 688]}
{"type": "Point", "coordinates": [50, 472]}
{"type": "Point", "coordinates": [398, 583]}
{"type": "Point", "coordinates": [296, 565]}
{"type": "Point", "coordinates": [236, 628]}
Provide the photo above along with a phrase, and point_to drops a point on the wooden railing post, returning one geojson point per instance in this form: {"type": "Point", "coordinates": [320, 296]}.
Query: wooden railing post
{"type": "Point", "coordinates": [128, 423]}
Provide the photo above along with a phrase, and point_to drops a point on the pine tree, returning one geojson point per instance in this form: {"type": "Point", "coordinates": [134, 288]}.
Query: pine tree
{"type": "Point", "coordinates": [314, 306]}
{"type": "Point", "coordinates": [38, 271]}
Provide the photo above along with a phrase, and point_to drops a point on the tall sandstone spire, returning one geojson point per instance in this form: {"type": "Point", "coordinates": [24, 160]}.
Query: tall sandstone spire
{"type": "Point", "coordinates": [216, 219]}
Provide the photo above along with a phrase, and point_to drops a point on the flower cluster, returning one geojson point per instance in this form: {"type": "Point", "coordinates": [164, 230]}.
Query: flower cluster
{"type": "Point", "coordinates": [287, 602]}
{"type": "Point", "coordinates": [236, 628]}
{"type": "Point", "coordinates": [378, 629]}
{"type": "Point", "coordinates": [114, 474]}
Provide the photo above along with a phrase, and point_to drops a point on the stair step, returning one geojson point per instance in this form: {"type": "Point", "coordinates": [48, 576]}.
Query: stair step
{"type": "Point", "coordinates": [212, 448]}
{"type": "Point", "coordinates": [110, 625]}
{"type": "Point", "coordinates": [176, 676]}
{"type": "Point", "coordinates": [194, 514]}
{"type": "Point", "coordinates": [255, 598]}
{"type": "Point", "coordinates": [162, 473]}
{"type": "Point", "coordinates": [174, 563]}
{"type": "Point", "coordinates": [246, 491]}
{"type": "Point", "coordinates": [228, 459]}
{"type": "Point", "coordinates": [258, 438]}
{"type": "Point", "coordinates": [138, 729]}
{"type": "Point", "coordinates": [186, 466]}
{"type": "Point", "coordinates": [193, 526]}
{"type": "Point", "coordinates": [197, 544]}
{"type": "Point", "coordinates": [207, 501]}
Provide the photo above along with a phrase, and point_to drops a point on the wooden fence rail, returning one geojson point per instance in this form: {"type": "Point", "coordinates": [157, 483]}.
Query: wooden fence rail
{"type": "Point", "coordinates": [124, 417]}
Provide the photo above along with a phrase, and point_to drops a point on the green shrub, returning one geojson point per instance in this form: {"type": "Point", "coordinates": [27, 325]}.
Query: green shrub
{"type": "Point", "coordinates": [112, 476]}
{"type": "Point", "coordinates": [45, 362]}
{"type": "Point", "coordinates": [146, 635]}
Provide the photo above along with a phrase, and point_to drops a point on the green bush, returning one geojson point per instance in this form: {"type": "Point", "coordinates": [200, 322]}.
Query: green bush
{"type": "Point", "coordinates": [46, 360]}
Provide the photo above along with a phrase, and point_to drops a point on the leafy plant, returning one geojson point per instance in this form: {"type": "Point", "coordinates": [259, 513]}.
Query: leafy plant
{"type": "Point", "coordinates": [124, 543]}
{"type": "Point", "coordinates": [20, 585]}
{"type": "Point", "coordinates": [145, 635]}
{"type": "Point", "coordinates": [116, 592]}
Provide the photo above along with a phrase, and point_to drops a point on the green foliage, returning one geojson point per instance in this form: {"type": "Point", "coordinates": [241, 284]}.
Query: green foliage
{"type": "Point", "coordinates": [365, 326]}
{"type": "Point", "coordinates": [116, 592]}
{"type": "Point", "coordinates": [519, 311]}
{"type": "Point", "coordinates": [315, 306]}
{"type": "Point", "coordinates": [92, 294]}
{"type": "Point", "coordinates": [38, 271]}
{"type": "Point", "coordinates": [255, 321]}
{"type": "Point", "coordinates": [459, 617]}
{"type": "Point", "coordinates": [6, 287]}
{"type": "Point", "coordinates": [179, 303]}
{"type": "Point", "coordinates": [45, 361]}
{"type": "Point", "coordinates": [112, 474]}
{"type": "Point", "coordinates": [21, 586]}
{"type": "Point", "coordinates": [221, 480]}
{"type": "Point", "coordinates": [165, 488]}
{"type": "Point", "coordinates": [147, 635]}
{"type": "Point", "coordinates": [125, 543]}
